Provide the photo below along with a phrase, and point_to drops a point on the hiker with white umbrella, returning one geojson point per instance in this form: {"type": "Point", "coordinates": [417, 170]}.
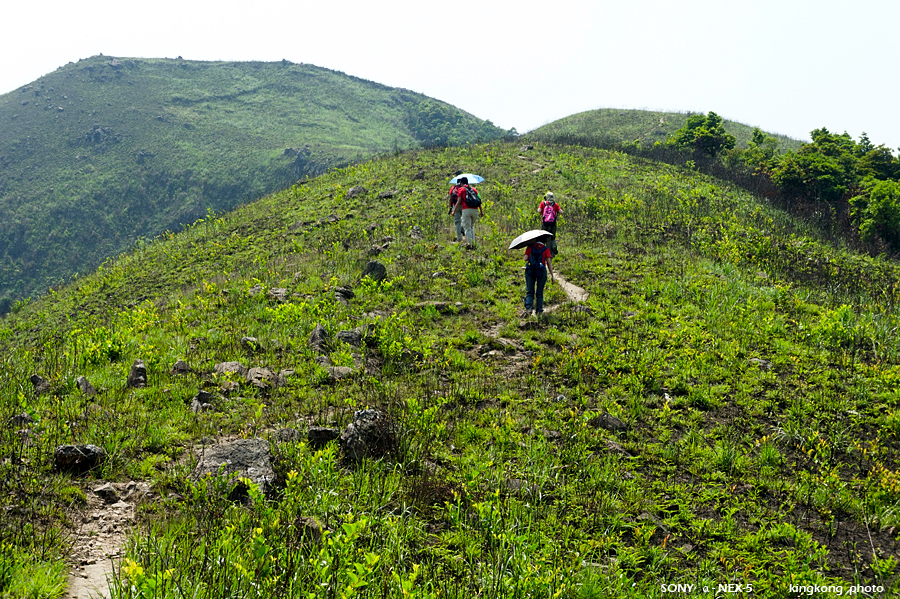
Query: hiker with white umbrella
{"type": "Point", "coordinates": [468, 204]}
{"type": "Point", "coordinates": [538, 262]}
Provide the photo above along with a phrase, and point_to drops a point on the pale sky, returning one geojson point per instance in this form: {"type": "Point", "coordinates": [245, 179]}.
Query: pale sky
{"type": "Point", "coordinates": [787, 66]}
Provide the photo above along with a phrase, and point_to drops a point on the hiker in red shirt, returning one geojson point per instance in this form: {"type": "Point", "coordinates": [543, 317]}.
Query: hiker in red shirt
{"type": "Point", "coordinates": [549, 211]}
{"type": "Point", "coordinates": [470, 207]}
{"type": "Point", "coordinates": [538, 262]}
{"type": "Point", "coordinates": [457, 217]}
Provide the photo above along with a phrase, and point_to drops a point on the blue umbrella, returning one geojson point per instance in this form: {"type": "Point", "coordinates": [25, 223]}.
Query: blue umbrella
{"type": "Point", "coordinates": [472, 178]}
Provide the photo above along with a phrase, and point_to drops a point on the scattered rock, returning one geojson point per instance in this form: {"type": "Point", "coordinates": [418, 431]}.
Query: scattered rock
{"type": "Point", "coordinates": [40, 384]}
{"type": "Point", "coordinates": [202, 402]}
{"type": "Point", "coordinates": [241, 458]}
{"type": "Point", "coordinates": [336, 373]}
{"type": "Point", "coordinates": [255, 290]}
{"type": "Point", "coordinates": [344, 294]}
{"type": "Point", "coordinates": [85, 386]}
{"type": "Point", "coordinates": [287, 435]}
{"type": "Point", "coordinates": [441, 307]}
{"type": "Point", "coordinates": [608, 422]}
{"type": "Point", "coordinates": [264, 378]}
{"type": "Point", "coordinates": [319, 436]}
{"type": "Point", "coordinates": [22, 419]}
{"type": "Point", "coordinates": [318, 340]}
{"type": "Point", "coordinates": [352, 337]}
{"type": "Point", "coordinates": [764, 364]}
{"type": "Point", "coordinates": [250, 344]}
{"type": "Point", "coordinates": [418, 176]}
{"type": "Point", "coordinates": [137, 378]}
{"type": "Point", "coordinates": [309, 530]}
{"type": "Point", "coordinates": [230, 368]}
{"type": "Point", "coordinates": [356, 191]}
{"type": "Point", "coordinates": [370, 435]}
{"type": "Point", "coordinates": [278, 294]}
{"type": "Point", "coordinates": [181, 367]}
{"type": "Point", "coordinates": [78, 459]}
{"type": "Point", "coordinates": [107, 493]}
{"type": "Point", "coordinates": [374, 270]}
{"type": "Point", "coordinates": [386, 195]}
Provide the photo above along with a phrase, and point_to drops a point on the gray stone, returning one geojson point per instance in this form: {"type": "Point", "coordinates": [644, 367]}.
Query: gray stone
{"type": "Point", "coordinates": [608, 422]}
{"type": "Point", "coordinates": [85, 386]}
{"type": "Point", "coordinates": [337, 373]}
{"type": "Point", "coordinates": [318, 340]}
{"type": "Point", "coordinates": [241, 458]}
{"type": "Point", "coordinates": [264, 378]}
{"type": "Point", "coordinates": [22, 419]}
{"type": "Point", "coordinates": [351, 337]}
{"type": "Point", "coordinates": [375, 270]}
{"type": "Point", "coordinates": [40, 384]}
{"type": "Point", "coordinates": [181, 367]}
{"type": "Point", "coordinates": [230, 368]}
{"type": "Point", "coordinates": [78, 459]}
{"type": "Point", "coordinates": [137, 378]}
{"type": "Point", "coordinates": [278, 294]}
{"type": "Point", "coordinates": [356, 191]}
{"type": "Point", "coordinates": [107, 493]}
{"type": "Point", "coordinates": [250, 344]}
{"type": "Point", "coordinates": [371, 435]}
{"type": "Point", "coordinates": [319, 436]}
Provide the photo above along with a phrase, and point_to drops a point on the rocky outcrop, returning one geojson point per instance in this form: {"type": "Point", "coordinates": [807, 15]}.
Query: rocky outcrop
{"type": "Point", "coordinates": [241, 458]}
{"type": "Point", "coordinates": [372, 434]}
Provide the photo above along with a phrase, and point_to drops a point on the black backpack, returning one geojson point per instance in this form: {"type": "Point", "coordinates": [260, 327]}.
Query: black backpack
{"type": "Point", "coordinates": [536, 258]}
{"type": "Point", "coordinates": [472, 199]}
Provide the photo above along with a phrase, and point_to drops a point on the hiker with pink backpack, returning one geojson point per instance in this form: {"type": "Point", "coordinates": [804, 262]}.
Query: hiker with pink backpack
{"type": "Point", "coordinates": [549, 211]}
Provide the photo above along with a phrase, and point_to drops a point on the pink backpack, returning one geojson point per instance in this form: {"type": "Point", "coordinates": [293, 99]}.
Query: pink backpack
{"type": "Point", "coordinates": [549, 215]}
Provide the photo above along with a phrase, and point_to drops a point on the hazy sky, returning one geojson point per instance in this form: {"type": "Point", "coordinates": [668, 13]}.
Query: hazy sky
{"type": "Point", "coordinates": [787, 66]}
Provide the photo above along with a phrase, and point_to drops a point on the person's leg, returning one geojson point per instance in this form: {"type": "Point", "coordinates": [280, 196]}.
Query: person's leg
{"type": "Point", "coordinates": [457, 221]}
{"type": "Point", "coordinates": [468, 222]}
{"type": "Point", "coordinates": [551, 228]}
{"type": "Point", "coordinates": [529, 291]}
{"type": "Point", "coordinates": [540, 281]}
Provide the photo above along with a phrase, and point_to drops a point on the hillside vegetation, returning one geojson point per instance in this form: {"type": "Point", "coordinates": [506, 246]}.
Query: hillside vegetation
{"type": "Point", "coordinates": [609, 127]}
{"type": "Point", "coordinates": [108, 150]}
{"type": "Point", "coordinates": [721, 413]}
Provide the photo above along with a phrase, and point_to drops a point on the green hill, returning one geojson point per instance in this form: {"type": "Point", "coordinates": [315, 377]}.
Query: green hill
{"type": "Point", "coordinates": [108, 150]}
{"type": "Point", "coordinates": [608, 127]}
{"type": "Point", "coordinates": [722, 411]}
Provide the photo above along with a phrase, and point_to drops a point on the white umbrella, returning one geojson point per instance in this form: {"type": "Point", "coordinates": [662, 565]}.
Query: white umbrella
{"type": "Point", "coordinates": [469, 176]}
{"type": "Point", "coordinates": [528, 237]}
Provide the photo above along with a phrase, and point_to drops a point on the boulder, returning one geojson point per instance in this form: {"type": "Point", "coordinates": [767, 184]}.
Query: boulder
{"type": "Point", "coordinates": [356, 191]}
{"type": "Point", "coordinates": [264, 378]}
{"type": "Point", "coordinates": [241, 458]}
{"type": "Point", "coordinates": [318, 340]}
{"type": "Point", "coordinates": [137, 378]}
{"type": "Point", "coordinates": [352, 337]}
{"type": "Point", "coordinates": [371, 435]}
{"type": "Point", "coordinates": [107, 493]}
{"type": "Point", "coordinates": [230, 368]}
{"type": "Point", "coordinates": [181, 367]}
{"type": "Point", "coordinates": [78, 459]}
{"type": "Point", "coordinates": [250, 344]}
{"type": "Point", "coordinates": [85, 386]}
{"type": "Point", "coordinates": [278, 294]}
{"type": "Point", "coordinates": [608, 422]}
{"type": "Point", "coordinates": [375, 270]}
{"type": "Point", "coordinates": [319, 436]}
{"type": "Point", "coordinates": [40, 384]}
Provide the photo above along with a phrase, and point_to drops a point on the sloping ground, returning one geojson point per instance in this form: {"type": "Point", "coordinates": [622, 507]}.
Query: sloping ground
{"type": "Point", "coordinates": [103, 152]}
{"type": "Point", "coordinates": [720, 411]}
{"type": "Point", "coordinates": [608, 127]}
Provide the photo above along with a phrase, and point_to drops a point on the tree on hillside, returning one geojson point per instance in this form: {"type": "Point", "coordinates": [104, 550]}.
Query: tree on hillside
{"type": "Point", "coordinates": [877, 213]}
{"type": "Point", "coordinates": [704, 134]}
{"type": "Point", "coordinates": [762, 152]}
{"type": "Point", "coordinates": [822, 170]}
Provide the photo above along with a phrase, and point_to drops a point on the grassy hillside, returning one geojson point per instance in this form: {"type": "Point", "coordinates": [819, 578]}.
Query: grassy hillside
{"type": "Point", "coordinates": [608, 127]}
{"type": "Point", "coordinates": [105, 151]}
{"type": "Point", "coordinates": [721, 411]}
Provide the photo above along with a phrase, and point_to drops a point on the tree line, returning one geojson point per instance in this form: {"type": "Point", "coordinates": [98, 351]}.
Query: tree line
{"type": "Point", "coordinates": [856, 181]}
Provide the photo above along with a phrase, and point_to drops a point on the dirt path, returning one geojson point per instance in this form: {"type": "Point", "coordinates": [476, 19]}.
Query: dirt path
{"type": "Point", "coordinates": [99, 542]}
{"type": "Point", "coordinates": [573, 292]}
